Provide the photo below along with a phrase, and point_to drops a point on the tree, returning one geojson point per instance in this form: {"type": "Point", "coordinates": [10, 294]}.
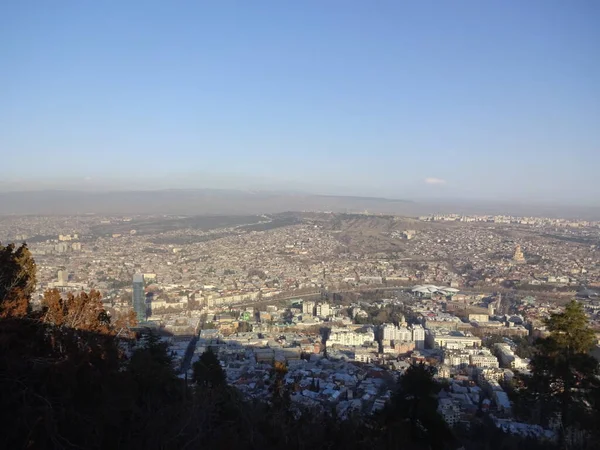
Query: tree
{"type": "Point", "coordinates": [152, 358]}
{"type": "Point", "coordinates": [65, 382]}
{"type": "Point", "coordinates": [415, 401]}
{"type": "Point", "coordinates": [278, 373]}
{"type": "Point", "coordinates": [381, 317]}
{"type": "Point", "coordinates": [490, 341]}
{"type": "Point", "coordinates": [158, 394]}
{"type": "Point", "coordinates": [17, 280]}
{"type": "Point", "coordinates": [81, 311]}
{"type": "Point", "coordinates": [564, 373]}
{"type": "Point", "coordinates": [244, 327]}
{"type": "Point", "coordinates": [524, 348]}
{"type": "Point", "coordinates": [208, 371]}
{"type": "Point", "coordinates": [123, 322]}
{"type": "Point", "coordinates": [257, 273]}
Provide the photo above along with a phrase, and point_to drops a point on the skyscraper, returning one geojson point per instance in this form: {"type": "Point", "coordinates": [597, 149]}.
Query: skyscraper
{"type": "Point", "coordinates": [139, 297]}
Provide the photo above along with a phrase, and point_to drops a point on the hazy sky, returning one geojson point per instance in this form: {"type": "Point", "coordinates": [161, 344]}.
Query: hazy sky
{"type": "Point", "coordinates": [407, 99]}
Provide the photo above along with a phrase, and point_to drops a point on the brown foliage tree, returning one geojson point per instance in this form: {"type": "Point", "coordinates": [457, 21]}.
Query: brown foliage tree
{"type": "Point", "coordinates": [81, 311]}
{"type": "Point", "coordinates": [122, 323]}
{"type": "Point", "coordinates": [17, 280]}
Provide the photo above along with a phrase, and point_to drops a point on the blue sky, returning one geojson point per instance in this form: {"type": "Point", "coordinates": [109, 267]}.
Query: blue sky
{"type": "Point", "coordinates": [477, 99]}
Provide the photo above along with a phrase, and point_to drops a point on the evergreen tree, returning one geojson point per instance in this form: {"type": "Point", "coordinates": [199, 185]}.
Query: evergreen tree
{"type": "Point", "coordinates": [564, 373]}
{"type": "Point", "coordinates": [159, 407]}
{"type": "Point", "coordinates": [208, 371]}
{"type": "Point", "coordinates": [415, 402]}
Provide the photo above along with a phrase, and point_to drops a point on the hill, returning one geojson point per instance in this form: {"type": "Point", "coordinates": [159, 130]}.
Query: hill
{"type": "Point", "coordinates": [189, 202]}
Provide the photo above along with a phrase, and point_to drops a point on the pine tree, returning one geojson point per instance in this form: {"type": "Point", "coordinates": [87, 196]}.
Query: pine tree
{"type": "Point", "coordinates": [208, 371]}
{"type": "Point", "coordinates": [564, 373]}
{"type": "Point", "coordinates": [415, 401]}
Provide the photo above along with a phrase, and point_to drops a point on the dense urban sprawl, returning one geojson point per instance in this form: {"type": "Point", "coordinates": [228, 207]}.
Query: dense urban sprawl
{"type": "Point", "coordinates": [346, 302]}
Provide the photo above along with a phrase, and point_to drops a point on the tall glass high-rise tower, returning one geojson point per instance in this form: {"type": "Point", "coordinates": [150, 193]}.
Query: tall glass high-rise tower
{"type": "Point", "coordinates": [139, 297]}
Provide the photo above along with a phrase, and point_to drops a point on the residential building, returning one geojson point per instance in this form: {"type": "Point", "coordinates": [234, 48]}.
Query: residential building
{"type": "Point", "coordinates": [484, 360]}
{"type": "Point", "coordinates": [396, 334]}
{"type": "Point", "coordinates": [323, 310]}
{"type": "Point", "coordinates": [418, 336]}
{"type": "Point", "coordinates": [456, 358]}
{"type": "Point", "coordinates": [451, 339]}
{"type": "Point", "coordinates": [350, 338]}
{"type": "Point", "coordinates": [509, 359]}
{"type": "Point", "coordinates": [308, 308]}
{"type": "Point", "coordinates": [449, 410]}
{"type": "Point", "coordinates": [478, 317]}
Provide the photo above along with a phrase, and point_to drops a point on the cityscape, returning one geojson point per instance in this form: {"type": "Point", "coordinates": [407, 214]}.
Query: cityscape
{"type": "Point", "coordinates": [347, 302]}
{"type": "Point", "coordinates": [300, 225]}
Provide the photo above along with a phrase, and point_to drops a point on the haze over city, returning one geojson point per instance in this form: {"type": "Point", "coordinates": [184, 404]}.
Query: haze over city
{"type": "Point", "coordinates": [453, 100]}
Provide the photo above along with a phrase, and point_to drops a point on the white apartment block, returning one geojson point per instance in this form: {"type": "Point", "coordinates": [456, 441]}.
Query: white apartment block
{"type": "Point", "coordinates": [418, 336]}
{"type": "Point", "coordinates": [308, 308]}
{"type": "Point", "coordinates": [508, 358]}
{"type": "Point", "coordinates": [349, 338]}
{"type": "Point", "coordinates": [323, 310]}
{"type": "Point", "coordinates": [490, 376]}
{"type": "Point", "coordinates": [520, 363]}
{"type": "Point", "coordinates": [398, 334]}
{"type": "Point", "coordinates": [456, 358]}
{"type": "Point", "coordinates": [483, 360]}
{"type": "Point", "coordinates": [451, 339]}
{"type": "Point", "coordinates": [389, 332]}
{"type": "Point", "coordinates": [363, 357]}
{"type": "Point", "coordinates": [414, 333]}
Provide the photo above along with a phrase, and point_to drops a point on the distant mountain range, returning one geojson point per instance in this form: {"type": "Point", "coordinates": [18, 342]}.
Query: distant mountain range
{"type": "Point", "coordinates": [236, 202]}
{"type": "Point", "coordinates": [190, 202]}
